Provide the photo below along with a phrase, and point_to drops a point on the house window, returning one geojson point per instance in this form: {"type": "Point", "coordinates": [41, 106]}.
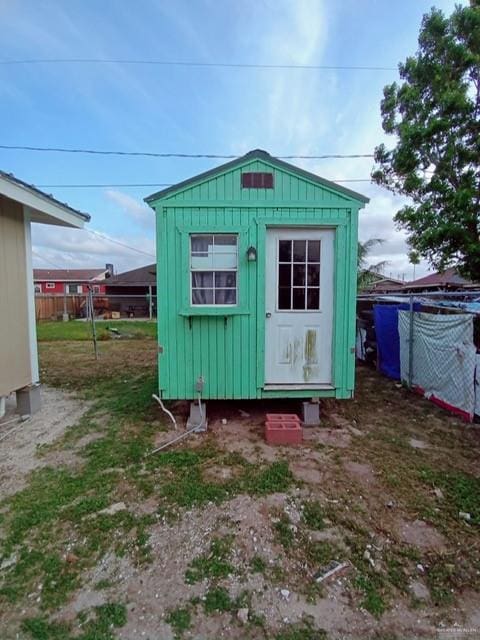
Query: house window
{"type": "Point", "coordinates": [74, 288]}
{"type": "Point", "coordinates": [38, 288]}
{"type": "Point", "coordinates": [213, 265]}
{"type": "Point", "coordinates": [299, 275]}
{"type": "Point", "coordinates": [96, 288]}
{"type": "Point", "coordinates": [50, 285]}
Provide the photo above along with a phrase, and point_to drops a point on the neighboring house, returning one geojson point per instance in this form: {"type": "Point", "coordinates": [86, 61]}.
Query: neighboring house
{"type": "Point", "coordinates": [21, 204]}
{"type": "Point", "coordinates": [70, 281]}
{"type": "Point", "coordinates": [257, 264]}
{"type": "Point", "coordinates": [378, 283]}
{"type": "Point", "coordinates": [134, 292]}
{"type": "Point", "coordinates": [448, 280]}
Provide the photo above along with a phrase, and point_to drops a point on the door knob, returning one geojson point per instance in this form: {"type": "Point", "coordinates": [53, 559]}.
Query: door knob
{"type": "Point", "coordinates": [268, 314]}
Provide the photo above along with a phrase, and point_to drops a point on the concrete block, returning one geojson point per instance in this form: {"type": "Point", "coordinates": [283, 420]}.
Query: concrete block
{"type": "Point", "coordinates": [28, 400]}
{"type": "Point", "coordinates": [283, 432]}
{"type": "Point", "coordinates": [197, 417]}
{"type": "Point", "coordinates": [311, 414]}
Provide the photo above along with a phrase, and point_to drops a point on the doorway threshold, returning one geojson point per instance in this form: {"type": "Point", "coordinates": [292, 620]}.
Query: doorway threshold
{"type": "Point", "coordinates": [297, 387]}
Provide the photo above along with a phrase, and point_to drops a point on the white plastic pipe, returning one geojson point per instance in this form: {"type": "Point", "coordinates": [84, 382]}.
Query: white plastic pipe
{"type": "Point", "coordinates": [163, 407]}
{"type": "Point", "coordinates": [2, 406]}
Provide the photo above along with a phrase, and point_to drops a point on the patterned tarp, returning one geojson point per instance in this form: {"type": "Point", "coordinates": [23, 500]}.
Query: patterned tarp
{"type": "Point", "coordinates": [444, 358]}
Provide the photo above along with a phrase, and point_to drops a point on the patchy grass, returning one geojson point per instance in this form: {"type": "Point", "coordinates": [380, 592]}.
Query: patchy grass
{"type": "Point", "coordinates": [212, 565]}
{"type": "Point", "coordinates": [217, 600]}
{"type": "Point", "coordinates": [180, 619]}
{"type": "Point", "coordinates": [373, 601]}
{"type": "Point", "coordinates": [304, 630]}
{"type": "Point", "coordinates": [98, 626]}
{"type": "Point", "coordinates": [79, 330]}
{"type": "Point", "coordinates": [313, 515]}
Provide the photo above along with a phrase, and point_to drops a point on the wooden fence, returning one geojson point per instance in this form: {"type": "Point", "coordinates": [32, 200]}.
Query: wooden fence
{"type": "Point", "coordinates": [52, 307]}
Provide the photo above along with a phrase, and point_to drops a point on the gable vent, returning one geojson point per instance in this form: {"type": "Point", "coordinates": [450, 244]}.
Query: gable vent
{"type": "Point", "coordinates": [257, 180]}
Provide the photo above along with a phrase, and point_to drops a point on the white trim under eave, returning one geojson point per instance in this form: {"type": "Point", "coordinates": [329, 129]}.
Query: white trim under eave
{"type": "Point", "coordinates": [32, 328]}
{"type": "Point", "coordinates": [41, 208]}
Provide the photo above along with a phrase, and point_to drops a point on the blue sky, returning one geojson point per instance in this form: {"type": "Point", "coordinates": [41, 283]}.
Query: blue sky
{"type": "Point", "coordinates": [194, 110]}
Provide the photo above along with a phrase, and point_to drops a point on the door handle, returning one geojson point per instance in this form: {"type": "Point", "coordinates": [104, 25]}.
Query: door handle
{"type": "Point", "coordinates": [268, 314]}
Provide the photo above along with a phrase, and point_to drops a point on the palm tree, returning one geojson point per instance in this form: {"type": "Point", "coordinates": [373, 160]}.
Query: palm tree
{"type": "Point", "coordinates": [414, 258]}
{"type": "Point", "coordinates": [364, 271]}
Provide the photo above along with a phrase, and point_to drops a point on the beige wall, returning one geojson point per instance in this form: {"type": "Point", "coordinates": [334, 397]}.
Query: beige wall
{"type": "Point", "coordinates": [15, 367]}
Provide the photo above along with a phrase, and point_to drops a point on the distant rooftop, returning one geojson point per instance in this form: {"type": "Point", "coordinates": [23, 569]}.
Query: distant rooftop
{"type": "Point", "coordinates": [72, 275]}
{"type": "Point", "coordinates": [448, 278]}
{"type": "Point", "coordinates": [142, 276]}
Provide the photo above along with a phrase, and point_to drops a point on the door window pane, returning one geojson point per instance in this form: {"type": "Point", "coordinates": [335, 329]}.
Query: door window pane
{"type": "Point", "coordinates": [285, 250]}
{"type": "Point", "coordinates": [313, 298]}
{"type": "Point", "coordinates": [314, 250]}
{"type": "Point", "coordinates": [299, 250]}
{"type": "Point", "coordinates": [313, 278]}
{"type": "Point", "coordinates": [298, 298]}
{"type": "Point", "coordinates": [298, 274]}
{"type": "Point", "coordinates": [284, 301]}
{"type": "Point", "coordinates": [284, 275]}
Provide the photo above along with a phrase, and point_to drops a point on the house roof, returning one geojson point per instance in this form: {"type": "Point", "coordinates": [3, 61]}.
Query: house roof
{"type": "Point", "coordinates": [449, 277]}
{"type": "Point", "coordinates": [68, 275]}
{"type": "Point", "coordinates": [256, 154]}
{"type": "Point", "coordinates": [142, 276]}
{"type": "Point", "coordinates": [42, 206]}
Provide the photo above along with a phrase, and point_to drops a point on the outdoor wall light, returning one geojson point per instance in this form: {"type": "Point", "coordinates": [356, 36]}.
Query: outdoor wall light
{"type": "Point", "coordinates": [251, 254]}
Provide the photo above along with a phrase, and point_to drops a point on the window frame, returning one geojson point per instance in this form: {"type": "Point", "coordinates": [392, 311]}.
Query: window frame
{"type": "Point", "coordinates": [50, 285]}
{"type": "Point", "coordinates": [213, 271]}
{"type": "Point", "coordinates": [78, 291]}
{"type": "Point", "coordinates": [292, 262]}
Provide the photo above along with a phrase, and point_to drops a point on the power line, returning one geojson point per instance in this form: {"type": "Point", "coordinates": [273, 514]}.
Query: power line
{"type": "Point", "coordinates": [152, 184]}
{"type": "Point", "coordinates": [189, 63]}
{"type": "Point", "coordinates": [46, 260]}
{"type": "Point", "coordinates": [122, 244]}
{"type": "Point", "coordinates": [152, 154]}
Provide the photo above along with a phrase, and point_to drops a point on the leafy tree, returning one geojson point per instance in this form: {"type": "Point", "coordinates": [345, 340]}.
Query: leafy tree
{"type": "Point", "coordinates": [435, 115]}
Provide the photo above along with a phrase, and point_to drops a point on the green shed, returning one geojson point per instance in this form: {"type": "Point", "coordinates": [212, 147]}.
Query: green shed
{"type": "Point", "coordinates": [256, 282]}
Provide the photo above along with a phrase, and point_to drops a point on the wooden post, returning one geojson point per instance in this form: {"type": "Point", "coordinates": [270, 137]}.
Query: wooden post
{"type": "Point", "coordinates": [92, 318]}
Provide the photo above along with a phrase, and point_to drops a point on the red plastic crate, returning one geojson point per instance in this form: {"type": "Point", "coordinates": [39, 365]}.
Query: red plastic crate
{"type": "Point", "coordinates": [283, 432]}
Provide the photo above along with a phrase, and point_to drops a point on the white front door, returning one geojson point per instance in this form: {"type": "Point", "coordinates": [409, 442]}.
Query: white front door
{"type": "Point", "coordinates": [299, 306]}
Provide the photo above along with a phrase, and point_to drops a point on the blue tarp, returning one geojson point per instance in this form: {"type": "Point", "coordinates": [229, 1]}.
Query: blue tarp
{"type": "Point", "coordinates": [388, 342]}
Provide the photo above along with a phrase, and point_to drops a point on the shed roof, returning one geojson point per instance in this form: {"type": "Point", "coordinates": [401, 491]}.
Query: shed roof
{"type": "Point", "coordinates": [142, 276]}
{"type": "Point", "coordinates": [71, 275]}
{"type": "Point", "coordinates": [42, 206]}
{"type": "Point", "coordinates": [256, 154]}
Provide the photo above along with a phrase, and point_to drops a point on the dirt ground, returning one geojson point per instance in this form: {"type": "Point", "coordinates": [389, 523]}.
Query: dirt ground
{"type": "Point", "coordinates": [21, 440]}
{"type": "Point", "coordinates": [223, 536]}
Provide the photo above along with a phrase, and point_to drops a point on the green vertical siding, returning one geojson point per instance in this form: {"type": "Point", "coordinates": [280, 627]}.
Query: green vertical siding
{"type": "Point", "coordinates": [228, 347]}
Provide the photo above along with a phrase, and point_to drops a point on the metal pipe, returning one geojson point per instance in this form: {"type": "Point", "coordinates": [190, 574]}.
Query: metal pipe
{"type": "Point", "coordinates": [410, 345]}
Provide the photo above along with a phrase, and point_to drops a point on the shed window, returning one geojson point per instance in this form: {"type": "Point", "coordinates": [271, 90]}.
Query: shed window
{"type": "Point", "coordinates": [257, 180]}
{"type": "Point", "coordinates": [299, 275]}
{"type": "Point", "coordinates": [213, 265]}
{"type": "Point", "coordinates": [50, 285]}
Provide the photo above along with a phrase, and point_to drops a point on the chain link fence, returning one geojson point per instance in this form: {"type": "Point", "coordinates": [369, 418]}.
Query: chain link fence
{"type": "Point", "coordinates": [430, 342]}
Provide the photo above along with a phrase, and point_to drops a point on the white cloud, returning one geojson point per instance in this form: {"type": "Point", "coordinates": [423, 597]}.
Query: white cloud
{"type": "Point", "coordinates": [138, 211]}
{"type": "Point", "coordinates": [77, 248]}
